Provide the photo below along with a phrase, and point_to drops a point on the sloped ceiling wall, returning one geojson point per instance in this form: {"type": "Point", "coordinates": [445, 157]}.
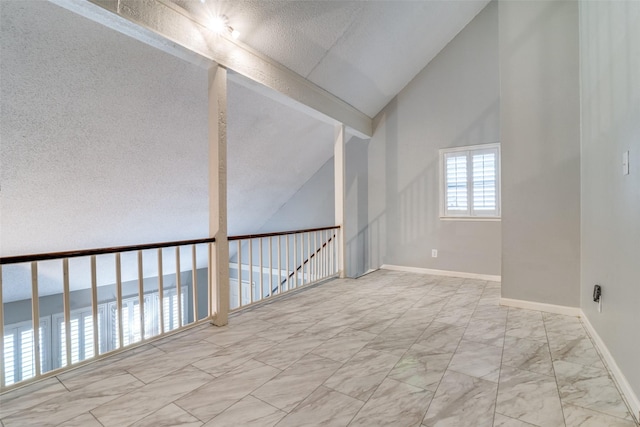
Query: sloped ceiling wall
{"type": "Point", "coordinates": [273, 151]}
{"type": "Point", "coordinates": [102, 137]}
{"type": "Point", "coordinates": [104, 140]}
{"type": "Point", "coordinates": [363, 52]}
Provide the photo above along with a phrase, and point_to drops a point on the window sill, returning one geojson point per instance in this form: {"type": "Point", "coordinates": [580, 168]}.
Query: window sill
{"type": "Point", "coordinates": [470, 218]}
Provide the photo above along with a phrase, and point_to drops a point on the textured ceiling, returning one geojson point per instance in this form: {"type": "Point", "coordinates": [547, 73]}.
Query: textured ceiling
{"type": "Point", "coordinates": [104, 143]}
{"type": "Point", "coordinates": [364, 52]}
{"type": "Point", "coordinates": [92, 114]}
{"type": "Point", "coordinates": [272, 150]}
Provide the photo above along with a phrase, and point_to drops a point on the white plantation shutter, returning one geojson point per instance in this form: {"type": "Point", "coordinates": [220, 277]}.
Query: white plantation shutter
{"type": "Point", "coordinates": [126, 326]}
{"type": "Point", "coordinates": [88, 335]}
{"type": "Point", "coordinates": [170, 312]}
{"type": "Point", "coordinates": [456, 183]}
{"type": "Point", "coordinates": [114, 337]}
{"type": "Point", "coordinates": [81, 337]}
{"type": "Point", "coordinates": [75, 340]}
{"type": "Point", "coordinates": [136, 332]}
{"type": "Point", "coordinates": [151, 315]}
{"type": "Point", "coordinates": [485, 175]}
{"type": "Point", "coordinates": [9, 359]}
{"type": "Point", "coordinates": [27, 352]}
{"type": "Point", "coordinates": [63, 346]}
{"type": "Point", "coordinates": [471, 181]}
{"type": "Point", "coordinates": [19, 351]}
{"type": "Point", "coordinates": [170, 309]}
{"type": "Point", "coordinates": [131, 317]}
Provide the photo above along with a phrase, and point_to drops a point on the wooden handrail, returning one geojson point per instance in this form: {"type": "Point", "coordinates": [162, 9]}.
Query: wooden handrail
{"type": "Point", "coordinates": [281, 233]}
{"type": "Point", "coordinates": [99, 251]}
{"type": "Point", "coordinates": [102, 251]}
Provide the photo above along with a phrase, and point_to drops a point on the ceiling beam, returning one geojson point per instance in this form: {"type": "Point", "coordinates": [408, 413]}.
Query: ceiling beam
{"type": "Point", "coordinates": [168, 27]}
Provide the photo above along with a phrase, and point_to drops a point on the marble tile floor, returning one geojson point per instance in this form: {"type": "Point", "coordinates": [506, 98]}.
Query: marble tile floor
{"type": "Point", "coordinates": [388, 349]}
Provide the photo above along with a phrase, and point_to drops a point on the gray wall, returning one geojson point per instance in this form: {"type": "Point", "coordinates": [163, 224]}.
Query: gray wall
{"type": "Point", "coordinates": [453, 101]}
{"type": "Point", "coordinates": [610, 70]}
{"type": "Point", "coordinates": [20, 311]}
{"type": "Point", "coordinates": [313, 205]}
{"type": "Point", "coordinates": [540, 133]}
{"type": "Point", "coordinates": [357, 207]}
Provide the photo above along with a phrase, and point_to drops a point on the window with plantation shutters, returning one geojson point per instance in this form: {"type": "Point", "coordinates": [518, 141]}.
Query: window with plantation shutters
{"type": "Point", "coordinates": [19, 351]}
{"type": "Point", "coordinates": [81, 338]}
{"type": "Point", "coordinates": [131, 331]}
{"type": "Point", "coordinates": [470, 182]}
{"type": "Point", "coordinates": [18, 342]}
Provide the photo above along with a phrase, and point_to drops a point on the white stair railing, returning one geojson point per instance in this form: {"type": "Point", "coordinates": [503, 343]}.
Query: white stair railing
{"type": "Point", "coordinates": [64, 309]}
{"type": "Point", "coordinates": [270, 264]}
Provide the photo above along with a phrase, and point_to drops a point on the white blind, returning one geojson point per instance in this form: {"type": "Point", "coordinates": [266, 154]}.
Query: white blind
{"type": "Point", "coordinates": [19, 350]}
{"type": "Point", "coordinates": [88, 335]}
{"type": "Point", "coordinates": [81, 326]}
{"type": "Point", "coordinates": [170, 312]}
{"type": "Point", "coordinates": [27, 354]}
{"type": "Point", "coordinates": [456, 178]}
{"type": "Point", "coordinates": [9, 359]}
{"type": "Point", "coordinates": [484, 182]}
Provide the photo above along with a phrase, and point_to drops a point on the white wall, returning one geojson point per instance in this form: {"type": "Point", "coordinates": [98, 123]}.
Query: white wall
{"type": "Point", "coordinates": [539, 86]}
{"type": "Point", "coordinates": [610, 225]}
{"type": "Point", "coordinates": [453, 101]}
{"type": "Point", "coordinates": [104, 139]}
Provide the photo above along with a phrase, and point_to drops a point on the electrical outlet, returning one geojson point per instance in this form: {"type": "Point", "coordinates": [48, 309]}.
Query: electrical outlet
{"type": "Point", "coordinates": [597, 296]}
{"type": "Point", "coordinates": [434, 253]}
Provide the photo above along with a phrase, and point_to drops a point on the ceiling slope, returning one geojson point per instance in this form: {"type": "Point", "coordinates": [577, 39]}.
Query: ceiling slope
{"type": "Point", "coordinates": [363, 52]}
{"type": "Point", "coordinates": [104, 139]}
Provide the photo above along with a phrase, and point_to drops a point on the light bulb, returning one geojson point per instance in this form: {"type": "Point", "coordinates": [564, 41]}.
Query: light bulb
{"type": "Point", "coordinates": [235, 33]}
{"type": "Point", "coordinates": [217, 24]}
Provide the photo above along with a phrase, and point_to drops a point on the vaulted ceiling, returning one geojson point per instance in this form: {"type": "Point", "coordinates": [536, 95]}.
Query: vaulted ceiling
{"type": "Point", "coordinates": [64, 153]}
{"type": "Point", "coordinates": [103, 137]}
{"type": "Point", "coordinates": [364, 52]}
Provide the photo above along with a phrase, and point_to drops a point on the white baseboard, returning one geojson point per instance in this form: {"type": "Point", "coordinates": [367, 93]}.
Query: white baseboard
{"type": "Point", "coordinates": [441, 272]}
{"type": "Point", "coordinates": [369, 271]}
{"type": "Point", "coordinates": [540, 306]}
{"type": "Point", "coordinates": [621, 380]}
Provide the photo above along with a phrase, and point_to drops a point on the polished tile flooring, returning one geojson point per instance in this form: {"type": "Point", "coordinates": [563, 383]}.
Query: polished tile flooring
{"type": "Point", "coordinates": [390, 348]}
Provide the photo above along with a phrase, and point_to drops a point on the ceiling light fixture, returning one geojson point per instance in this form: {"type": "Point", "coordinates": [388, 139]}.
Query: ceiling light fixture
{"type": "Point", "coordinates": [220, 24]}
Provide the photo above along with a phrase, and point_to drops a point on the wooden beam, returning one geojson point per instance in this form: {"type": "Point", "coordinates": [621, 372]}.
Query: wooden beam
{"type": "Point", "coordinates": [167, 26]}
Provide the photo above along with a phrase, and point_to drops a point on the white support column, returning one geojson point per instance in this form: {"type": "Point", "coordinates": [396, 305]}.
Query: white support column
{"type": "Point", "coordinates": [219, 261]}
{"type": "Point", "coordinates": [340, 193]}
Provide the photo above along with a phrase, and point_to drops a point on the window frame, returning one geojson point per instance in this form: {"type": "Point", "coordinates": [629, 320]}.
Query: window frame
{"type": "Point", "coordinates": [470, 214]}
